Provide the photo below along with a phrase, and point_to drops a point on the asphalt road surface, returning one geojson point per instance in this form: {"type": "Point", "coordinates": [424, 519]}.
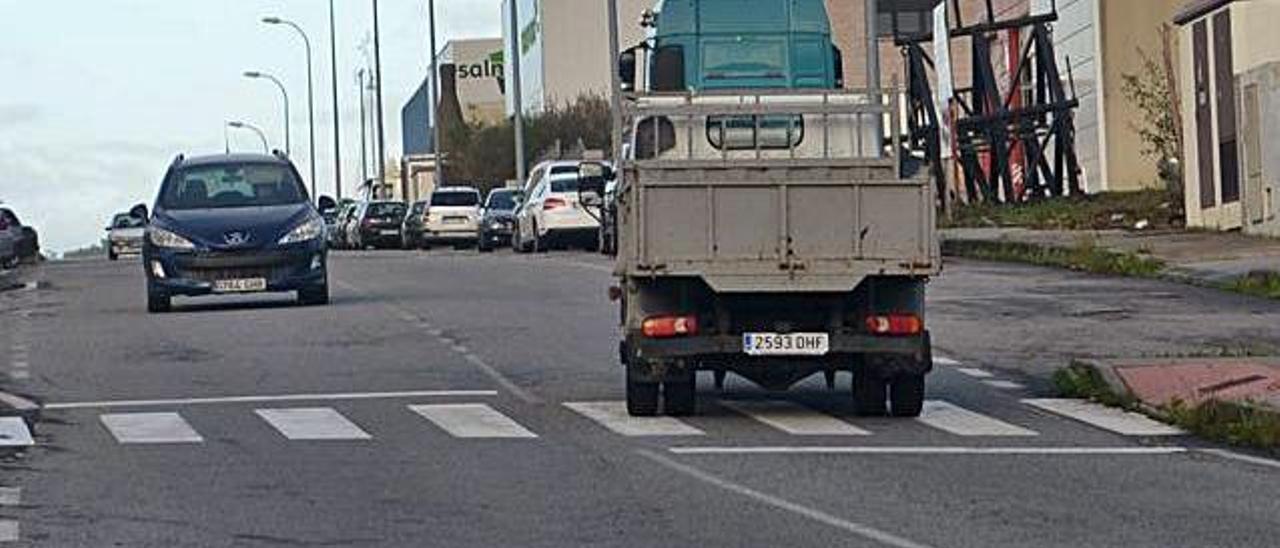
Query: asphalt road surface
{"type": "Point", "coordinates": [453, 399]}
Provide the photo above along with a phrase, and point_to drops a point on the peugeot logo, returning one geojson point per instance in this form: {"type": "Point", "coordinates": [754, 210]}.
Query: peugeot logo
{"type": "Point", "coordinates": [236, 238]}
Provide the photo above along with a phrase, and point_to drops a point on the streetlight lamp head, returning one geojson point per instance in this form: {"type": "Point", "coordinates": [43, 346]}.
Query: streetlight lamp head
{"type": "Point", "coordinates": [252, 74]}
{"type": "Point", "coordinates": [272, 20]}
{"type": "Point", "coordinates": [236, 125]}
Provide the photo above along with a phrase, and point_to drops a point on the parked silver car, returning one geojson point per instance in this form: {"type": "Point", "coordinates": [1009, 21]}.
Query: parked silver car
{"type": "Point", "coordinates": [124, 236]}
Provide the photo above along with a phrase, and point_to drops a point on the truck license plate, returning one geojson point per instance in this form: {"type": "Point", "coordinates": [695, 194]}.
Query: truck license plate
{"type": "Point", "coordinates": [786, 344]}
{"type": "Point", "coordinates": [249, 285]}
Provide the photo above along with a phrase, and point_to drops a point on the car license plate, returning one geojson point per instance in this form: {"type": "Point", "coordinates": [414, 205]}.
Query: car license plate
{"type": "Point", "coordinates": [249, 285]}
{"type": "Point", "coordinates": [455, 220]}
{"type": "Point", "coordinates": [786, 344]}
{"type": "Point", "coordinates": [389, 232]}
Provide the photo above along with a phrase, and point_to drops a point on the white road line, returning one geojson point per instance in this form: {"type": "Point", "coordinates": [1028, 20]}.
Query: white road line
{"type": "Point", "coordinates": [269, 399]}
{"type": "Point", "coordinates": [943, 361]}
{"type": "Point", "coordinates": [1113, 419]}
{"type": "Point", "coordinates": [927, 450]}
{"type": "Point", "coordinates": [312, 423]}
{"type": "Point", "coordinates": [10, 496]}
{"type": "Point", "coordinates": [613, 415]}
{"type": "Point", "coordinates": [14, 433]}
{"type": "Point", "coordinates": [8, 531]}
{"type": "Point", "coordinates": [963, 422]}
{"type": "Point", "coordinates": [975, 372]}
{"type": "Point", "coordinates": [1241, 457]}
{"type": "Point", "coordinates": [472, 420]}
{"type": "Point", "coordinates": [794, 419]}
{"type": "Point", "coordinates": [18, 402]}
{"type": "Point", "coordinates": [149, 428]}
{"type": "Point", "coordinates": [1003, 384]}
{"type": "Point", "coordinates": [864, 531]}
{"type": "Point", "coordinates": [20, 374]}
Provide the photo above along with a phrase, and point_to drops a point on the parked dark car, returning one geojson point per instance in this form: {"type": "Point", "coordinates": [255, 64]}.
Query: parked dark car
{"type": "Point", "coordinates": [378, 224]}
{"type": "Point", "coordinates": [413, 225]}
{"type": "Point", "coordinates": [18, 242]}
{"type": "Point", "coordinates": [234, 223]}
{"type": "Point", "coordinates": [498, 218]}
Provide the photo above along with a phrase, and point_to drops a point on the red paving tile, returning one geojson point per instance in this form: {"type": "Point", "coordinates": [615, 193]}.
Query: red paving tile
{"type": "Point", "coordinates": [1193, 382]}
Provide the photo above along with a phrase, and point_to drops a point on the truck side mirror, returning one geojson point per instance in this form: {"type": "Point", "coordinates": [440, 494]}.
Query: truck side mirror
{"type": "Point", "coordinates": [592, 179]}
{"type": "Point", "coordinates": [140, 212]}
{"type": "Point", "coordinates": [627, 70]}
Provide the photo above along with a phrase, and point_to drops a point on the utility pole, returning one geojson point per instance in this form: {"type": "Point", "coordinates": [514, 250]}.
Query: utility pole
{"type": "Point", "coordinates": [377, 77]}
{"type": "Point", "coordinates": [337, 115]}
{"type": "Point", "coordinates": [435, 99]}
{"type": "Point", "coordinates": [615, 84]}
{"type": "Point", "coordinates": [516, 91]}
{"type": "Point", "coordinates": [364, 121]}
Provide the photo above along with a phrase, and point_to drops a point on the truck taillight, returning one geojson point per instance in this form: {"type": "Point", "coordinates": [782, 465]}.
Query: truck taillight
{"type": "Point", "coordinates": [895, 324]}
{"type": "Point", "coordinates": [665, 327]}
{"type": "Point", "coordinates": [554, 203]}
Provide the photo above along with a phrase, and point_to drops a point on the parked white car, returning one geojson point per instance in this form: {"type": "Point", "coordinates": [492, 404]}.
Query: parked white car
{"type": "Point", "coordinates": [124, 236]}
{"type": "Point", "coordinates": [550, 213]}
{"type": "Point", "coordinates": [452, 217]}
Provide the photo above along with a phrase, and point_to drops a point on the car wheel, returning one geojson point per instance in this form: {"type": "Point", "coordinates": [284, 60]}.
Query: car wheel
{"type": "Point", "coordinates": [111, 254]}
{"type": "Point", "coordinates": [906, 395]}
{"type": "Point", "coordinates": [868, 392]}
{"type": "Point", "coordinates": [681, 397]}
{"type": "Point", "coordinates": [539, 243]}
{"type": "Point", "coordinates": [483, 245]}
{"type": "Point", "coordinates": [158, 303]}
{"type": "Point", "coordinates": [314, 296]}
{"type": "Point", "coordinates": [642, 398]}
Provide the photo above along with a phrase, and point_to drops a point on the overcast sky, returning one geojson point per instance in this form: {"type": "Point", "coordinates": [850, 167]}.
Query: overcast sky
{"type": "Point", "coordinates": [99, 95]}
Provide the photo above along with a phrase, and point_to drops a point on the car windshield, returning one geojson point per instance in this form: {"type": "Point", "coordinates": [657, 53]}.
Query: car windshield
{"type": "Point", "coordinates": [127, 221]}
{"type": "Point", "coordinates": [455, 199]}
{"type": "Point", "coordinates": [502, 200]}
{"type": "Point", "coordinates": [565, 184]}
{"type": "Point", "coordinates": [386, 209]}
{"type": "Point", "coordinates": [232, 185]}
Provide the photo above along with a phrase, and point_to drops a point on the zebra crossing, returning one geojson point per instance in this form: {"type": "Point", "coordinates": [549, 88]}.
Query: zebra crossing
{"type": "Point", "coordinates": [479, 421]}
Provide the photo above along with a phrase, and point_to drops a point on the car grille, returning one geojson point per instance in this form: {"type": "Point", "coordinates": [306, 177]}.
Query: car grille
{"type": "Point", "coordinates": [215, 274]}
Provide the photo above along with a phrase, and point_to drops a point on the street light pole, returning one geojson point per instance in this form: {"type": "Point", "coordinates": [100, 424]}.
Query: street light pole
{"type": "Point", "coordinates": [263, 136]}
{"type": "Point", "coordinates": [516, 91]}
{"type": "Point", "coordinates": [311, 105]}
{"type": "Point", "coordinates": [364, 121]}
{"type": "Point", "coordinates": [377, 77]}
{"type": "Point", "coordinates": [337, 116]}
{"type": "Point", "coordinates": [288, 143]}
{"type": "Point", "coordinates": [434, 107]}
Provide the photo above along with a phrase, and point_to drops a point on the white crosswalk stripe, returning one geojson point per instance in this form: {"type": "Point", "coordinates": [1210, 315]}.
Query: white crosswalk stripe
{"type": "Point", "coordinates": [148, 428]}
{"type": "Point", "coordinates": [794, 419]}
{"type": "Point", "coordinates": [613, 415]}
{"type": "Point", "coordinates": [963, 422]}
{"type": "Point", "coordinates": [14, 432]}
{"type": "Point", "coordinates": [1112, 419]}
{"type": "Point", "coordinates": [312, 423]}
{"type": "Point", "coordinates": [9, 531]}
{"type": "Point", "coordinates": [472, 420]}
{"type": "Point", "coordinates": [975, 372]}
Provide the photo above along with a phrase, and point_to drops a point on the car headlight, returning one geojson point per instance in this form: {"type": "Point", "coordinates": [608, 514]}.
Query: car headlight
{"type": "Point", "coordinates": [164, 238]}
{"type": "Point", "coordinates": [309, 230]}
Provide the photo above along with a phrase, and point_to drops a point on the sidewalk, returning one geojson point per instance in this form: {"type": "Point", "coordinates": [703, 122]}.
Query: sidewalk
{"type": "Point", "coordinates": [1204, 258]}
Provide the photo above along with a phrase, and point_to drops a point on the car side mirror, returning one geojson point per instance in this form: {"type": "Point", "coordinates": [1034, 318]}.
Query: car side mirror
{"type": "Point", "coordinates": [326, 204]}
{"type": "Point", "coordinates": [140, 211]}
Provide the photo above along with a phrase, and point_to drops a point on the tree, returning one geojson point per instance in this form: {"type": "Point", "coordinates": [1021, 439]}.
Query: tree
{"type": "Point", "coordinates": [1151, 90]}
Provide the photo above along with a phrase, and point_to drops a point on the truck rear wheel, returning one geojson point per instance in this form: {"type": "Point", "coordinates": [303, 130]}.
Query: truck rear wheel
{"type": "Point", "coordinates": [906, 395]}
{"type": "Point", "coordinates": [681, 397]}
{"type": "Point", "coordinates": [868, 393]}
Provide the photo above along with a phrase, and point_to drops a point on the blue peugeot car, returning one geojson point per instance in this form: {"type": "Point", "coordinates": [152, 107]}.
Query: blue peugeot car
{"type": "Point", "coordinates": [234, 224]}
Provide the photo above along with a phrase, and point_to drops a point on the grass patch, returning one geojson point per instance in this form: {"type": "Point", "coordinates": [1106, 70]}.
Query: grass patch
{"type": "Point", "coordinates": [1236, 424]}
{"type": "Point", "coordinates": [1089, 212]}
{"type": "Point", "coordinates": [1232, 423]}
{"type": "Point", "coordinates": [1264, 284]}
{"type": "Point", "coordinates": [1085, 382]}
{"type": "Point", "coordinates": [1084, 256]}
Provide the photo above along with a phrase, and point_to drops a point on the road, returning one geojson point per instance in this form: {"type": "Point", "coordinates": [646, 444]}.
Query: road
{"type": "Point", "coordinates": [453, 399]}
